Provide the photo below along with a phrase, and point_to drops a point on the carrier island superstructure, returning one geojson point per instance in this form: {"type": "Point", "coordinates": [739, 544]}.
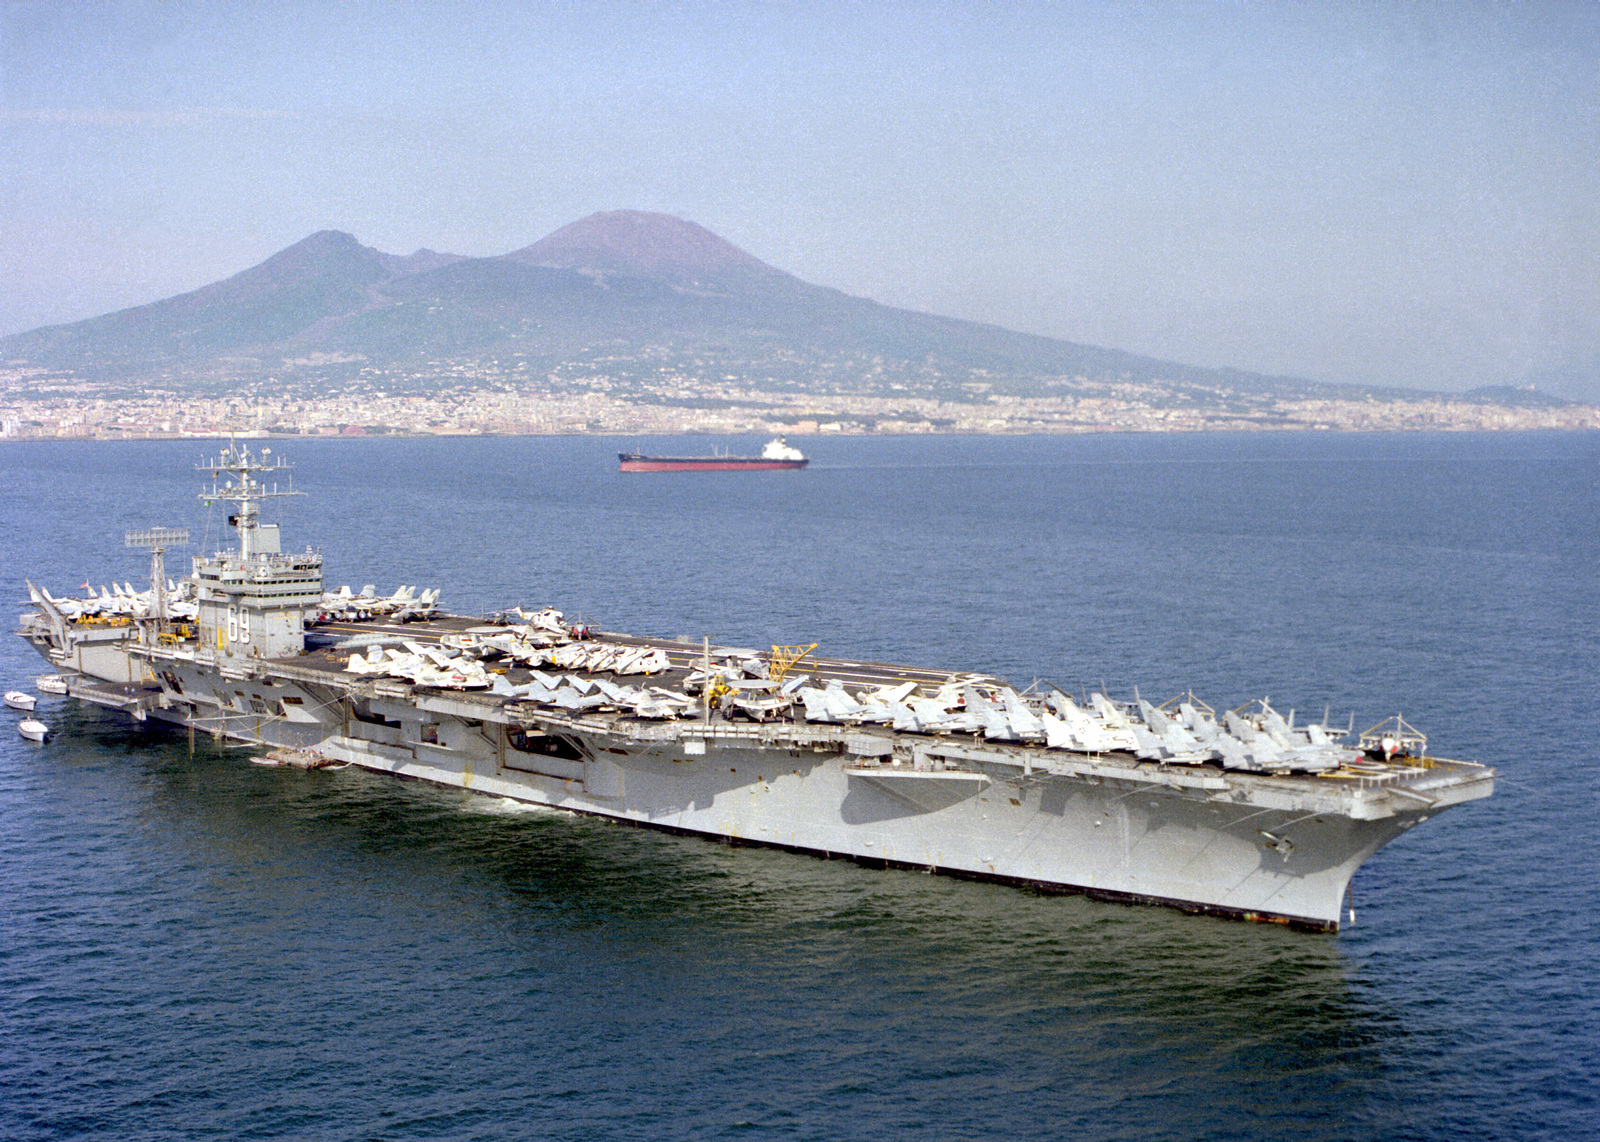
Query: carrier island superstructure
{"type": "Point", "coordinates": [1241, 814]}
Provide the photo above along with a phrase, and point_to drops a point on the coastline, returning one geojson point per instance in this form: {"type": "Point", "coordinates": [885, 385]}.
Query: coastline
{"type": "Point", "coordinates": [165, 417]}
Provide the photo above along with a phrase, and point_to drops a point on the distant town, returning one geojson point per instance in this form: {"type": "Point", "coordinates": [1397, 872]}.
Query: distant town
{"type": "Point", "coordinates": [452, 398]}
{"type": "Point", "coordinates": [628, 323]}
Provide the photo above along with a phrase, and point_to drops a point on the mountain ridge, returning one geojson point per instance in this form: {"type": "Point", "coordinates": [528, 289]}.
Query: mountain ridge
{"type": "Point", "coordinates": [626, 287]}
{"type": "Point", "coordinates": [640, 244]}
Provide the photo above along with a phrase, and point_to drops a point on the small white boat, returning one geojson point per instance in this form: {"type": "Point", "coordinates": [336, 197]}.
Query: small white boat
{"type": "Point", "coordinates": [50, 684]}
{"type": "Point", "coordinates": [32, 729]}
{"type": "Point", "coordinates": [18, 700]}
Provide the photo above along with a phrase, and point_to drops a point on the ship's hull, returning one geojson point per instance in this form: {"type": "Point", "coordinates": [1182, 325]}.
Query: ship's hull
{"type": "Point", "coordinates": [1059, 834]}
{"type": "Point", "coordinates": [1249, 847]}
{"type": "Point", "coordinates": [630, 462]}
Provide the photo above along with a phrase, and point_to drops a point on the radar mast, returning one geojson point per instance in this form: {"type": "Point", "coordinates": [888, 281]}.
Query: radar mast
{"type": "Point", "coordinates": [254, 600]}
{"type": "Point", "coordinates": [247, 488]}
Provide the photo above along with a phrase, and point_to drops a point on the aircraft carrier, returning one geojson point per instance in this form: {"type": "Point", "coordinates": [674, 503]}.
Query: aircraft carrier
{"type": "Point", "coordinates": [1239, 813]}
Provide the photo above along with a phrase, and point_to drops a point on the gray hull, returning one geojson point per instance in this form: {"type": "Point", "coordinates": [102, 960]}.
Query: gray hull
{"type": "Point", "coordinates": [1255, 846]}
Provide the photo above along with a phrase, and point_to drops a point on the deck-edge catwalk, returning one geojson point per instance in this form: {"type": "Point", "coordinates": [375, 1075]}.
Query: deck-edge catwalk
{"type": "Point", "coordinates": [1240, 814]}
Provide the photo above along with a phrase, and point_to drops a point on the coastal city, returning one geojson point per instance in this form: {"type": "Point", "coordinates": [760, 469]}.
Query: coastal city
{"type": "Point", "coordinates": [464, 400]}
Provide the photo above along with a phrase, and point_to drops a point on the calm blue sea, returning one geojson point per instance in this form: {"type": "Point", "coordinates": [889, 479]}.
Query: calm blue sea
{"type": "Point", "coordinates": [192, 947]}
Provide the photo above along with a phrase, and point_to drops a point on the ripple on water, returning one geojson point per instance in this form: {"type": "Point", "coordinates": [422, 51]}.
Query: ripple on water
{"type": "Point", "coordinates": [194, 947]}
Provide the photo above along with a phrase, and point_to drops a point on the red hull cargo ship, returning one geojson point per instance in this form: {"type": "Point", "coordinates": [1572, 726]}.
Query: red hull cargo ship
{"type": "Point", "coordinates": [777, 454]}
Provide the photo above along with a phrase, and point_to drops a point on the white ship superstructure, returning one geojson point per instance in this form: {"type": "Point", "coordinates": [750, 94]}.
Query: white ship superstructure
{"type": "Point", "coordinates": [253, 600]}
{"type": "Point", "coordinates": [1243, 814]}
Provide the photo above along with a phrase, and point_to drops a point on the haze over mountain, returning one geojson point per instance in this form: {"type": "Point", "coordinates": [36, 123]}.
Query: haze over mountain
{"type": "Point", "coordinates": [623, 287]}
{"type": "Point", "coordinates": [640, 244]}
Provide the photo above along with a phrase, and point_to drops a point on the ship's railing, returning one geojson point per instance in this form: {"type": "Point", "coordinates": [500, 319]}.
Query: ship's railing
{"type": "Point", "coordinates": [232, 561]}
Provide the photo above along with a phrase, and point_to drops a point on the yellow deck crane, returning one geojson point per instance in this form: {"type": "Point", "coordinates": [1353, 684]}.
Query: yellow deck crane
{"type": "Point", "coordinates": [784, 659]}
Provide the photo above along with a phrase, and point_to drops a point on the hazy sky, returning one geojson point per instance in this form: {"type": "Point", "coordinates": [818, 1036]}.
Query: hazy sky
{"type": "Point", "coordinates": [1402, 193]}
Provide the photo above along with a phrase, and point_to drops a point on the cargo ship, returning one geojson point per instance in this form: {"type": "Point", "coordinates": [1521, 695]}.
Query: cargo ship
{"type": "Point", "coordinates": [1239, 814]}
{"type": "Point", "coordinates": [777, 453]}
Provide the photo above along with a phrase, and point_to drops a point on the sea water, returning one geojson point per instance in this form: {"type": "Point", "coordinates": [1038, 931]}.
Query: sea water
{"type": "Point", "coordinates": [195, 947]}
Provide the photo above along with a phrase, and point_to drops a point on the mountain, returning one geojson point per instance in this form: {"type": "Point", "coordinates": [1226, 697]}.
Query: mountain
{"type": "Point", "coordinates": [323, 277]}
{"type": "Point", "coordinates": [626, 294]}
{"type": "Point", "coordinates": [636, 244]}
